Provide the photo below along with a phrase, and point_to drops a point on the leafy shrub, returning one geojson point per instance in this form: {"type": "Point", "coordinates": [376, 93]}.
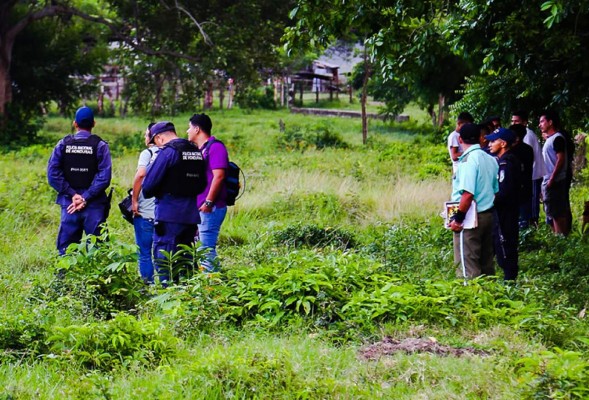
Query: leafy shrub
{"type": "Point", "coordinates": [314, 236]}
{"type": "Point", "coordinates": [193, 307]}
{"type": "Point", "coordinates": [556, 374]}
{"type": "Point", "coordinates": [414, 249]}
{"type": "Point", "coordinates": [301, 138]}
{"type": "Point", "coordinates": [98, 278]}
{"type": "Point", "coordinates": [324, 137]}
{"type": "Point", "coordinates": [21, 335]}
{"type": "Point", "coordinates": [107, 345]}
{"type": "Point", "coordinates": [250, 98]}
{"type": "Point", "coordinates": [19, 125]}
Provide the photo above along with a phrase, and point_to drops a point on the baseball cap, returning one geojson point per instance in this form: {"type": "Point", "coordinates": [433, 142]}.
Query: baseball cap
{"type": "Point", "coordinates": [160, 127]}
{"type": "Point", "coordinates": [502, 133]}
{"type": "Point", "coordinates": [85, 117]}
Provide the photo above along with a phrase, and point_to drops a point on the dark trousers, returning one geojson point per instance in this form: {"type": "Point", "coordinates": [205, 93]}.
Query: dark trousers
{"type": "Point", "coordinates": [72, 226]}
{"type": "Point", "coordinates": [505, 241]}
{"type": "Point", "coordinates": [167, 238]}
{"type": "Point", "coordinates": [536, 195]}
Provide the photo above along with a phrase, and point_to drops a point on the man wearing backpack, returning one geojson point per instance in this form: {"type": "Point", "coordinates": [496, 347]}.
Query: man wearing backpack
{"type": "Point", "coordinates": [174, 178]}
{"type": "Point", "coordinates": [80, 171]}
{"type": "Point", "coordinates": [212, 202]}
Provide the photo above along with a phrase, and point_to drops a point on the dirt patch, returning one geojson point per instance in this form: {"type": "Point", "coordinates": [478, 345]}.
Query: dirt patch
{"type": "Point", "coordinates": [389, 346]}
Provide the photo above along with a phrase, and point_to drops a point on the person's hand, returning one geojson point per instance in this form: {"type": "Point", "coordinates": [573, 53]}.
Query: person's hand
{"type": "Point", "coordinates": [205, 209]}
{"type": "Point", "coordinates": [78, 203]}
{"type": "Point", "coordinates": [135, 207]}
{"type": "Point", "coordinates": [548, 183]}
{"type": "Point", "coordinates": [455, 226]}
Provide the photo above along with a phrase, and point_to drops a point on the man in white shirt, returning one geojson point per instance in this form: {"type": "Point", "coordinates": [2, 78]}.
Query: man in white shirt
{"type": "Point", "coordinates": [538, 168]}
{"type": "Point", "coordinates": [454, 147]}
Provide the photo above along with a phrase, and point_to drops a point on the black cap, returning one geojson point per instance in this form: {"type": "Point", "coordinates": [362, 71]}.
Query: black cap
{"type": "Point", "coordinates": [160, 127]}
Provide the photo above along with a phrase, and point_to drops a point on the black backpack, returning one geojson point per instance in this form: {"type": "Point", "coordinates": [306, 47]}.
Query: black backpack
{"type": "Point", "coordinates": [233, 177]}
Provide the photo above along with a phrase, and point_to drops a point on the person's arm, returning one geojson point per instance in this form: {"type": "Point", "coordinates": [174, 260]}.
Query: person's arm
{"type": "Point", "coordinates": [216, 185]}
{"type": "Point", "coordinates": [102, 178]}
{"type": "Point", "coordinates": [455, 153]}
{"type": "Point", "coordinates": [55, 175]}
{"type": "Point", "coordinates": [465, 202]}
{"type": "Point", "coordinates": [560, 160]}
{"type": "Point", "coordinates": [137, 181]}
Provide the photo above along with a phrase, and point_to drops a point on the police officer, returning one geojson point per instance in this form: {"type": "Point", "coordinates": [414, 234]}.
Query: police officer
{"type": "Point", "coordinates": [80, 170]}
{"type": "Point", "coordinates": [174, 178]}
{"type": "Point", "coordinates": [506, 225]}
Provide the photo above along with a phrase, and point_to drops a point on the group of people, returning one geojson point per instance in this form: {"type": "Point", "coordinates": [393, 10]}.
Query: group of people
{"type": "Point", "coordinates": [178, 196]}
{"type": "Point", "coordinates": [502, 175]}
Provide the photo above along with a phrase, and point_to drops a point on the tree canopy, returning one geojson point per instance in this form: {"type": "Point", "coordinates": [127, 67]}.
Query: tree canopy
{"type": "Point", "coordinates": [166, 47]}
{"type": "Point", "coordinates": [495, 56]}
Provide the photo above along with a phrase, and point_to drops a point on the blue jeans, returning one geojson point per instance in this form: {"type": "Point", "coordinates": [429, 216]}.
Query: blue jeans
{"type": "Point", "coordinates": [72, 226]}
{"type": "Point", "coordinates": [208, 234]}
{"type": "Point", "coordinates": [144, 240]}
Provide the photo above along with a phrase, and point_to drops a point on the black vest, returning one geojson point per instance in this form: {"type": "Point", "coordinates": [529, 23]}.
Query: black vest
{"type": "Point", "coordinates": [187, 178]}
{"type": "Point", "coordinates": [80, 160]}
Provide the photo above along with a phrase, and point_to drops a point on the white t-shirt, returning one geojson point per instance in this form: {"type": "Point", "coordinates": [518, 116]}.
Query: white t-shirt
{"type": "Point", "coordinates": [453, 142]}
{"type": "Point", "coordinates": [147, 206]}
{"type": "Point", "coordinates": [539, 168]}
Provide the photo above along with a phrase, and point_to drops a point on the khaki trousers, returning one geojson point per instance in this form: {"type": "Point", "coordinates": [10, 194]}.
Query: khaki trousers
{"type": "Point", "coordinates": [478, 248]}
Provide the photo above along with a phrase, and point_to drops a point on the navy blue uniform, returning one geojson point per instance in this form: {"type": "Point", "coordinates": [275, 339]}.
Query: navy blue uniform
{"type": "Point", "coordinates": [176, 214]}
{"type": "Point", "coordinates": [506, 227]}
{"type": "Point", "coordinates": [91, 185]}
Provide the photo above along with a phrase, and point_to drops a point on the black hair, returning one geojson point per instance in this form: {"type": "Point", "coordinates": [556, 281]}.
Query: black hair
{"type": "Point", "coordinates": [519, 130]}
{"type": "Point", "coordinates": [466, 117]}
{"type": "Point", "coordinates": [86, 124]}
{"type": "Point", "coordinates": [203, 121]}
{"type": "Point", "coordinates": [552, 115]}
{"type": "Point", "coordinates": [522, 114]}
{"type": "Point", "coordinates": [150, 125]}
{"type": "Point", "coordinates": [470, 133]}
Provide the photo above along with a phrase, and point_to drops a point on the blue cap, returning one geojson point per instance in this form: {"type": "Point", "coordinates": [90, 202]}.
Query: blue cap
{"type": "Point", "coordinates": [160, 127]}
{"type": "Point", "coordinates": [85, 117]}
{"type": "Point", "coordinates": [502, 133]}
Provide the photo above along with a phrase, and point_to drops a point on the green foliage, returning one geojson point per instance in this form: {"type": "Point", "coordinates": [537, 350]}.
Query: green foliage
{"type": "Point", "coordinates": [19, 126]}
{"type": "Point", "coordinates": [314, 236]}
{"type": "Point", "coordinates": [107, 345]}
{"type": "Point", "coordinates": [21, 336]}
{"type": "Point", "coordinates": [301, 138]}
{"type": "Point", "coordinates": [557, 374]}
{"type": "Point", "coordinates": [182, 264]}
{"type": "Point", "coordinates": [95, 278]}
{"type": "Point", "coordinates": [251, 98]}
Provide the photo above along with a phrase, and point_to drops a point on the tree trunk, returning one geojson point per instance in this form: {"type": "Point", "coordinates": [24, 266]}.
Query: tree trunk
{"type": "Point", "coordinates": [364, 96]}
{"type": "Point", "coordinates": [5, 80]}
{"type": "Point", "coordinates": [441, 106]}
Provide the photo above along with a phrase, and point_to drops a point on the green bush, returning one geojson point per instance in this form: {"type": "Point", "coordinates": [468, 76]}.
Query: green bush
{"type": "Point", "coordinates": [314, 236]}
{"type": "Point", "coordinates": [556, 374]}
{"type": "Point", "coordinates": [110, 344]}
{"type": "Point", "coordinates": [21, 335]}
{"type": "Point", "coordinates": [98, 277]}
{"type": "Point", "coordinates": [301, 138]}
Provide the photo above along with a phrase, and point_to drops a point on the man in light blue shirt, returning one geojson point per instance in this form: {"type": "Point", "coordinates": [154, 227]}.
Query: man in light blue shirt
{"type": "Point", "coordinates": [474, 185]}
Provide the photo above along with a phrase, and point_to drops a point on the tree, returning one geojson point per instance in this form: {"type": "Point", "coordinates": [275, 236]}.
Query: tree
{"type": "Point", "coordinates": [404, 42]}
{"type": "Point", "coordinates": [533, 59]}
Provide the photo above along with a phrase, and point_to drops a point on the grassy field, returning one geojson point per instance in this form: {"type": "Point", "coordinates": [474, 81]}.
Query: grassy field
{"type": "Point", "coordinates": [337, 282]}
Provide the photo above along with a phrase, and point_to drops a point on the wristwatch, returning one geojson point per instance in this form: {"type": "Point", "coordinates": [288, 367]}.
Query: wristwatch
{"type": "Point", "coordinates": [209, 203]}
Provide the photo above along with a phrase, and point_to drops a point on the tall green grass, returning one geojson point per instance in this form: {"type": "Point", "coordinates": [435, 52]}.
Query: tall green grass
{"type": "Point", "coordinates": [333, 246]}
